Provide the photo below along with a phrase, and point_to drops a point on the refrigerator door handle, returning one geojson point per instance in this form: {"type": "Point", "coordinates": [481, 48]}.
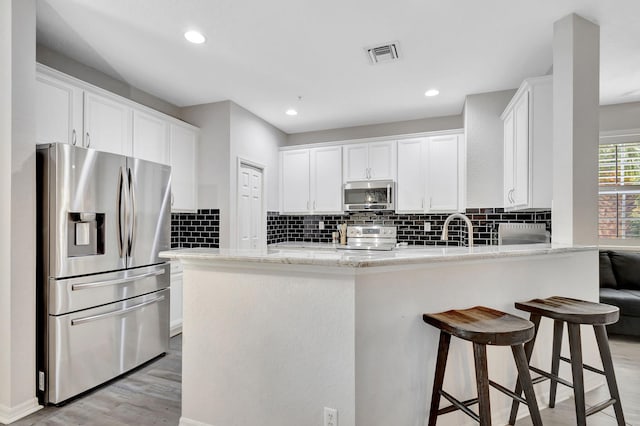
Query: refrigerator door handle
{"type": "Point", "coordinates": [83, 320]}
{"type": "Point", "coordinates": [119, 207]}
{"type": "Point", "coordinates": [84, 286]}
{"type": "Point", "coordinates": [132, 214]}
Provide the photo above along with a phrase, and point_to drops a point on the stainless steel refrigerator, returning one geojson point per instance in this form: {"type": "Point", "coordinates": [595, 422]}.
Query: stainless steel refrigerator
{"type": "Point", "coordinates": [103, 292]}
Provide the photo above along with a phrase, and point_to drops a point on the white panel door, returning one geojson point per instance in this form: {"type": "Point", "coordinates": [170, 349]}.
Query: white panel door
{"type": "Point", "coordinates": [295, 197]}
{"type": "Point", "coordinates": [184, 149]}
{"type": "Point", "coordinates": [382, 160]}
{"type": "Point", "coordinates": [521, 156]}
{"type": "Point", "coordinates": [107, 124]}
{"type": "Point", "coordinates": [443, 173]}
{"type": "Point", "coordinates": [356, 162]}
{"type": "Point", "coordinates": [410, 187]}
{"type": "Point", "coordinates": [250, 227]}
{"type": "Point", "coordinates": [509, 164]}
{"type": "Point", "coordinates": [150, 137]}
{"type": "Point", "coordinates": [58, 112]}
{"type": "Point", "coordinates": [326, 179]}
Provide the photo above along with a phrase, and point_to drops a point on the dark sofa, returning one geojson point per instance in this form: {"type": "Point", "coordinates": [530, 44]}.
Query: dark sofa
{"type": "Point", "coordinates": [620, 286]}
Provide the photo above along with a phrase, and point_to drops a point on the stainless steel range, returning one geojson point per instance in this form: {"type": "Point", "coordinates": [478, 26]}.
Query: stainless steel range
{"type": "Point", "coordinates": [103, 296]}
{"type": "Point", "coordinates": [370, 237]}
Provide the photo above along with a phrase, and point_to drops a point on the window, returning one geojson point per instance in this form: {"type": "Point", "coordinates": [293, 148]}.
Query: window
{"type": "Point", "coordinates": [619, 190]}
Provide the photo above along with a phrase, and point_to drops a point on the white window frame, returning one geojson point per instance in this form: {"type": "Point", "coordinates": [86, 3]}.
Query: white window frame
{"type": "Point", "coordinates": [618, 137]}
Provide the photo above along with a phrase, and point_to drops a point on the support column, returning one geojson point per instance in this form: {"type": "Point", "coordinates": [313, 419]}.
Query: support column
{"type": "Point", "coordinates": [576, 93]}
{"type": "Point", "coordinates": [17, 209]}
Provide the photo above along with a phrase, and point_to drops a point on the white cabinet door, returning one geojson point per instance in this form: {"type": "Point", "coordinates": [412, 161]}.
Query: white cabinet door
{"type": "Point", "coordinates": [509, 164]}
{"type": "Point", "coordinates": [382, 160]}
{"type": "Point", "coordinates": [443, 173]}
{"type": "Point", "coordinates": [107, 124]}
{"type": "Point", "coordinates": [184, 160]}
{"type": "Point", "coordinates": [150, 137]}
{"type": "Point", "coordinates": [520, 194]}
{"type": "Point", "coordinates": [58, 112]}
{"type": "Point", "coordinates": [175, 304]}
{"type": "Point", "coordinates": [410, 187]}
{"type": "Point", "coordinates": [356, 162]}
{"type": "Point", "coordinates": [326, 179]}
{"type": "Point", "coordinates": [295, 181]}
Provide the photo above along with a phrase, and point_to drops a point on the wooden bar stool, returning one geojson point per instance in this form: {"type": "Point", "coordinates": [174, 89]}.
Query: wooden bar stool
{"type": "Point", "coordinates": [482, 326]}
{"type": "Point", "coordinates": [574, 312]}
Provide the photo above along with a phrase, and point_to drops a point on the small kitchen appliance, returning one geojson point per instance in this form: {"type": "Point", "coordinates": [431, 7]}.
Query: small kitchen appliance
{"type": "Point", "coordinates": [370, 237]}
{"type": "Point", "coordinates": [369, 195]}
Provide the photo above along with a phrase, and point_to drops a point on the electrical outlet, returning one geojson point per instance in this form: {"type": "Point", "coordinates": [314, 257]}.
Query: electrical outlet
{"type": "Point", "coordinates": [330, 416]}
{"type": "Point", "coordinates": [427, 226]}
{"type": "Point", "coordinates": [321, 225]}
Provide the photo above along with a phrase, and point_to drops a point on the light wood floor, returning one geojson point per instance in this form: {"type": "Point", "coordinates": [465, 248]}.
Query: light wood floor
{"type": "Point", "coordinates": [151, 396]}
{"type": "Point", "coordinates": [148, 396]}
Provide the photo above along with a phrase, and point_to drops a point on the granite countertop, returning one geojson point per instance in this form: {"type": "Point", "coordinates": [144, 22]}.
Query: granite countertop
{"type": "Point", "coordinates": [323, 255]}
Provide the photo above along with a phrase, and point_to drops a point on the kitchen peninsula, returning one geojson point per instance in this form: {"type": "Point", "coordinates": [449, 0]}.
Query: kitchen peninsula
{"type": "Point", "coordinates": [272, 337]}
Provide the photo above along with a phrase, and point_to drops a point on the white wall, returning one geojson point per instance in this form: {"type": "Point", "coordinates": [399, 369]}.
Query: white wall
{"type": "Point", "coordinates": [17, 225]}
{"type": "Point", "coordinates": [257, 141]}
{"type": "Point", "coordinates": [375, 130]}
{"type": "Point", "coordinates": [484, 138]}
{"type": "Point", "coordinates": [63, 63]}
{"type": "Point", "coordinates": [620, 117]}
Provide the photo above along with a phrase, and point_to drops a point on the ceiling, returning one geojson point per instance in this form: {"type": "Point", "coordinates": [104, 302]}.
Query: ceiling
{"type": "Point", "coordinates": [264, 55]}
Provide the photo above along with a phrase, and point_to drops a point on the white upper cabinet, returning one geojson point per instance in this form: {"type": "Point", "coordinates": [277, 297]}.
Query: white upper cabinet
{"type": "Point", "coordinates": [150, 137]}
{"type": "Point", "coordinates": [184, 157]}
{"type": "Point", "coordinates": [295, 193]}
{"type": "Point", "coordinates": [369, 161]}
{"type": "Point", "coordinates": [326, 179]}
{"type": "Point", "coordinates": [107, 124]}
{"type": "Point", "coordinates": [431, 174]}
{"type": "Point", "coordinates": [528, 148]}
{"type": "Point", "coordinates": [58, 111]}
{"type": "Point", "coordinates": [311, 180]}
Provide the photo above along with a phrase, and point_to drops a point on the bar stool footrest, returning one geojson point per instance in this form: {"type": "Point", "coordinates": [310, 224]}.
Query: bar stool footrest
{"type": "Point", "coordinates": [551, 376]}
{"type": "Point", "coordinates": [538, 379]}
{"type": "Point", "coordinates": [508, 392]}
{"type": "Point", "coordinates": [585, 366]}
{"type": "Point", "coordinates": [599, 407]}
{"type": "Point", "coordinates": [459, 405]}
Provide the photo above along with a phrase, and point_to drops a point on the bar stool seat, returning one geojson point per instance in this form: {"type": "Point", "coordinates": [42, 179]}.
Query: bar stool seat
{"type": "Point", "coordinates": [574, 312]}
{"type": "Point", "coordinates": [482, 326]}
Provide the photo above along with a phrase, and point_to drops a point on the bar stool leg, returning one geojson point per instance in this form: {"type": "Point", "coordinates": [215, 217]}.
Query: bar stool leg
{"type": "Point", "coordinates": [441, 363]}
{"type": "Point", "coordinates": [575, 346]}
{"type": "Point", "coordinates": [524, 379]}
{"type": "Point", "coordinates": [558, 327]}
{"type": "Point", "coordinates": [528, 350]}
{"type": "Point", "coordinates": [482, 382]}
{"type": "Point", "coordinates": [607, 363]}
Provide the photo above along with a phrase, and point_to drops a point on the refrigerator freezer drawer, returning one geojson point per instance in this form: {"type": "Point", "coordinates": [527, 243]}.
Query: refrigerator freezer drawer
{"type": "Point", "coordinates": [73, 294]}
{"type": "Point", "coordinates": [90, 347]}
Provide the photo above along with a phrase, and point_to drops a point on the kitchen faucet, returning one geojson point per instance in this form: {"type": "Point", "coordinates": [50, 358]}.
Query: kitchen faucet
{"type": "Point", "coordinates": [445, 227]}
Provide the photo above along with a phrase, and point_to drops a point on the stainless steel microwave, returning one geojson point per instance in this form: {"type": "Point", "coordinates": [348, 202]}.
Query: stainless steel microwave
{"type": "Point", "coordinates": [369, 195]}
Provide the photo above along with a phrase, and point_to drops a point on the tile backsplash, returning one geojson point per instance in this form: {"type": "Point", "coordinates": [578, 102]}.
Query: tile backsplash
{"type": "Point", "coordinates": [411, 227]}
{"type": "Point", "coordinates": [201, 229]}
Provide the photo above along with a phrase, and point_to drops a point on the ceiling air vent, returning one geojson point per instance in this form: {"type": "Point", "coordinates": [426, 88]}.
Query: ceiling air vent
{"type": "Point", "coordinates": [384, 53]}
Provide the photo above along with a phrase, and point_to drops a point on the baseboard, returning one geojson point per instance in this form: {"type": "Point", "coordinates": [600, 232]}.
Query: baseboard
{"type": "Point", "coordinates": [188, 422]}
{"type": "Point", "coordinates": [11, 414]}
{"type": "Point", "coordinates": [175, 329]}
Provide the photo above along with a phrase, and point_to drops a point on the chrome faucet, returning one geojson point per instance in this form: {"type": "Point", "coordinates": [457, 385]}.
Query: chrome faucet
{"type": "Point", "coordinates": [445, 227]}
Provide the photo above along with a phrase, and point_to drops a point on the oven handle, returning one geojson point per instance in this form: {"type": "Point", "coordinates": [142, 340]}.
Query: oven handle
{"type": "Point", "coordinates": [95, 284]}
{"type": "Point", "coordinates": [85, 320]}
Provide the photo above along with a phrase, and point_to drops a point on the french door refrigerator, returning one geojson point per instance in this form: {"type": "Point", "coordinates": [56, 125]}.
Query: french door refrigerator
{"type": "Point", "coordinates": [102, 291]}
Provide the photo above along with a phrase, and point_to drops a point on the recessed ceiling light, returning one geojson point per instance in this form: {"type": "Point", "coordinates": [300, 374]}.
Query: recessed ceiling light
{"type": "Point", "coordinates": [432, 92]}
{"type": "Point", "coordinates": [291, 111]}
{"type": "Point", "coordinates": [194, 37]}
